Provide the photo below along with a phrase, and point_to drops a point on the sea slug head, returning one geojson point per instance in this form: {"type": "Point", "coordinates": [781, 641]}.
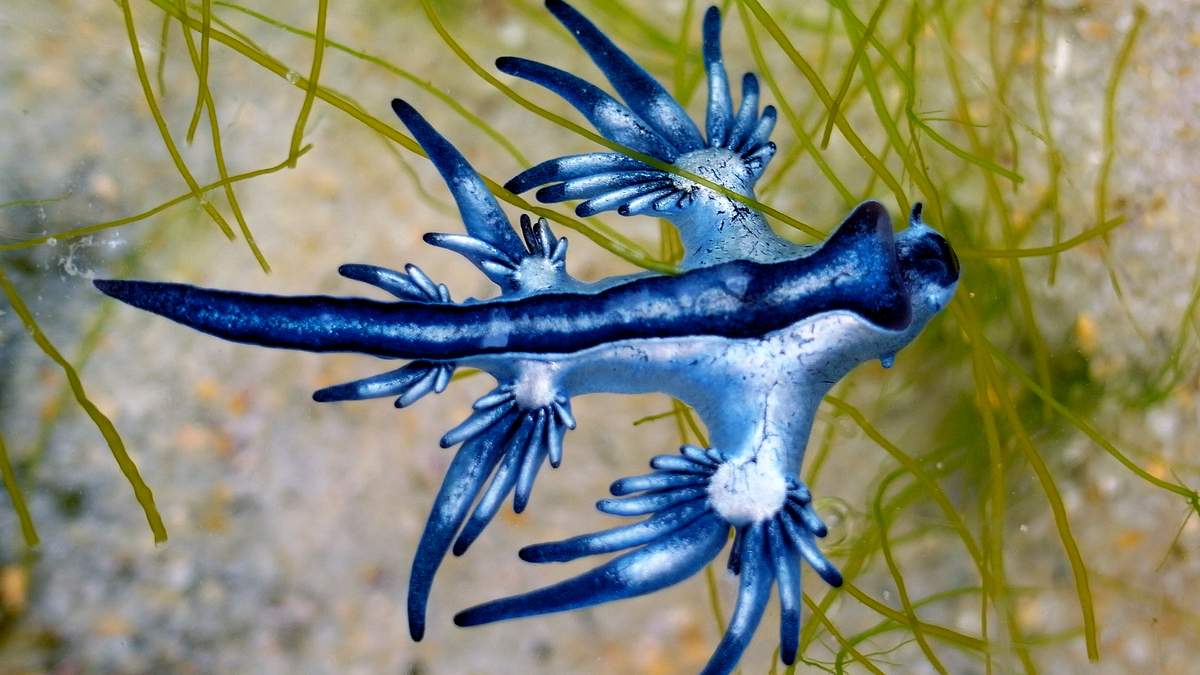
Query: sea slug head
{"type": "Point", "coordinates": [930, 270]}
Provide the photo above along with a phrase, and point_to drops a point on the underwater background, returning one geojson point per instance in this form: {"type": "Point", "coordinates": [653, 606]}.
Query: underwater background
{"type": "Point", "coordinates": [1017, 494]}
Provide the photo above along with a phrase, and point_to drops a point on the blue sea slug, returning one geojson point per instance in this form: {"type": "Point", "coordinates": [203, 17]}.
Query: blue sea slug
{"type": "Point", "coordinates": [751, 333]}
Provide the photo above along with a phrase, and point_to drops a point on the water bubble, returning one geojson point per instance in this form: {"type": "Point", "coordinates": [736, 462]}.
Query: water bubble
{"type": "Point", "coordinates": [292, 76]}
{"type": "Point", "coordinates": [1023, 528]}
{"type": "Point", "coordinates": [52, 241]}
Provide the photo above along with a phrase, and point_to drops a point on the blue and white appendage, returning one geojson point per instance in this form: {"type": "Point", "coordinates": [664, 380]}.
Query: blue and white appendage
{"type": "Point", "coordinates": [736, 152]}
{"type": "Point", "coordinates": [686, 529]}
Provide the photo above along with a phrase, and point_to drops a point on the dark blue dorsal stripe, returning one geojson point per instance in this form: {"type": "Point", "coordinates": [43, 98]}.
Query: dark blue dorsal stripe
{"type": "Point", "coordinates": [855, 271]}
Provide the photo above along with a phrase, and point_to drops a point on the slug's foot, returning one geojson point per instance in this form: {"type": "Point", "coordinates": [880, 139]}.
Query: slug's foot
{"type": "Point", "coordinates": [505, 439]}
{"type": "Point", "coordinates": [540, 266]}
{"type": "Point", "coordinates": [683, 533]}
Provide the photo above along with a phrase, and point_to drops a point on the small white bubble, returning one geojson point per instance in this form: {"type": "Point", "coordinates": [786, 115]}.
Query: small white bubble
{"type": "Point", "coordinates": [52, 242]}
{"type": "Point", "coordinates": [940, 466]}
{"type": "Point", "coordinates": [1023, 528]}
{"type": "Point", "coordinates": [292, 76]}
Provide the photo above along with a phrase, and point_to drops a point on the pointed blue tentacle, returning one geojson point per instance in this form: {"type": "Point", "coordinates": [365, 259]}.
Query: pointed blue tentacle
{"type": "Point", "coordinates": [490, 243]}
{"type": "Point", "coordinates": [720, 105]}
{"type": "Point", "coordinates": [644, 95]}
{"type": "Point", "coordinates": [535, 453]}
{"type": "Point", "coordinates": [698, 456]}
{"type": "Point", "coordinates": [800, 537]}
{"type": "Point", "coordinates": [408, 384]}
{"type": "Point", "coordinates": [412, 284]}
{"type": "Point", "coordinates": [747, 115]}
{"type": "Point", "coordinates": [425, 384]}
{"type": "Point", "coordinates": [650, 202]}
{"type": "Point", "coordinates": [619, 197]}
{"type": "Point", "coordinates": [482, 418]}
{"type": "Point", "coordinates": [762, 132]}
{"type": "Point", "coordinates": [808, 517]}
{"type": "Point", "coordinates": [480, 212]}
{"type": "Point", "coordinates": [680, 464]}
{"type": "Point", "coordinates": [597, 184]}
{"type": "Point", "coordinates": [468, 471]}
{"type": "Point", "coordinates": [659, 480]}
{"type": "Point", "coordinates": [654, 566]}
{"type": "Point", "coordinates": [615, 539]}
{"type": "Point", "coordinates": [611, 118]}
{"type": "Point", "coordinates": [649, 503]}
{"type": "Point", "coordinates": [787, 576]}
{"type": "Point", "coordinates": [572, 166]}
{"type": "Point", "coordinates": [757, 575]}
{"type": "Point", "coordinates": [501, 485]}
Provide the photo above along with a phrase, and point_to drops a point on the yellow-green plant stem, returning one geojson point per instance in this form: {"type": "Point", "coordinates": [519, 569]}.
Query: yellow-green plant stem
{"type": "Point", "coordinates": [141, 491]}
{"type": "Point", "coordinates": [28, 531]}
{"type": "Point", "coordinates": [912, 466]}
{"type": "Point", "coordinates": [1083, 425]}
{"type": "Point", "coordinates": [203, 95]}
{"type": "Point", "coordinates": [1054, 163]}
{"type": "Point", "coordinates": [856, 55]}
{"type": "Point", "coordinates": [152, 103]}
{"type": "Point", "coordinates": [314, 76]}
{"type": "Point", "coordinates": [781, 102]}
{"type": "Point", "coordinates": [819, 613]}
{"type": "Point", "coordinates": [1039, 251]}
{"type": "Point", "coordinates": [898, 578]}
{"type": "Point", "coordinates": [201, 65]}
{"type": "Point", "coordinates": [85, 230]}
{"type": "Point", "coordinates": [994, 386]}
{"type": "Point", "coordinates": [160, 68]}
{"type": "Point", "coordinates": [1109, 135]}
{"type": "Point", "coordinates": [475, 120]}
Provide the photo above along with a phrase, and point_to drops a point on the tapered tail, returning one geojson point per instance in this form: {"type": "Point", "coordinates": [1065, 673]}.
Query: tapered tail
{"type": "Point", "coordinates": [315, 323]}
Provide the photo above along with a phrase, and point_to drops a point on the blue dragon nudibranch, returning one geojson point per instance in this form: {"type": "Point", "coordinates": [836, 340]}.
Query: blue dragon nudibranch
{"type": "Point", "coordinates": [752, 333]}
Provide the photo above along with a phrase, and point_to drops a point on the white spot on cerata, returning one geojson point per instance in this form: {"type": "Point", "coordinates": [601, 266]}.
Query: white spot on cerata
{"type": "Point", "coordinates": [747, 492]}
{"type": "Point", "coordinates": [538, 274]}
{"type": "Point", "coordinates": [535, 386]}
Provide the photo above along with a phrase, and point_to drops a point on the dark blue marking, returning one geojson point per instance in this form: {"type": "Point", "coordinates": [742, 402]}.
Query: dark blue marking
{"type": "Point", "coordinates": [855, 270]}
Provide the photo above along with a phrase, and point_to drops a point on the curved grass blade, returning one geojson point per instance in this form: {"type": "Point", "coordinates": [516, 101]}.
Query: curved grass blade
{"type": "Point", "coordinates": [28, 531]}
{"type": "Point", "coordinates": [314, 75]}
{"type": "Point", "coordinates": [141, 491]}
{"type": "Point", "coordinates": [127, 220]}
{"type": "Point", "coordinates": [159, 121]}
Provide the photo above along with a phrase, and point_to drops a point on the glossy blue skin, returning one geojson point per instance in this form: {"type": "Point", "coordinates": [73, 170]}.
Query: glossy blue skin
{"type": "Point", "coordinates": [752, 334]}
